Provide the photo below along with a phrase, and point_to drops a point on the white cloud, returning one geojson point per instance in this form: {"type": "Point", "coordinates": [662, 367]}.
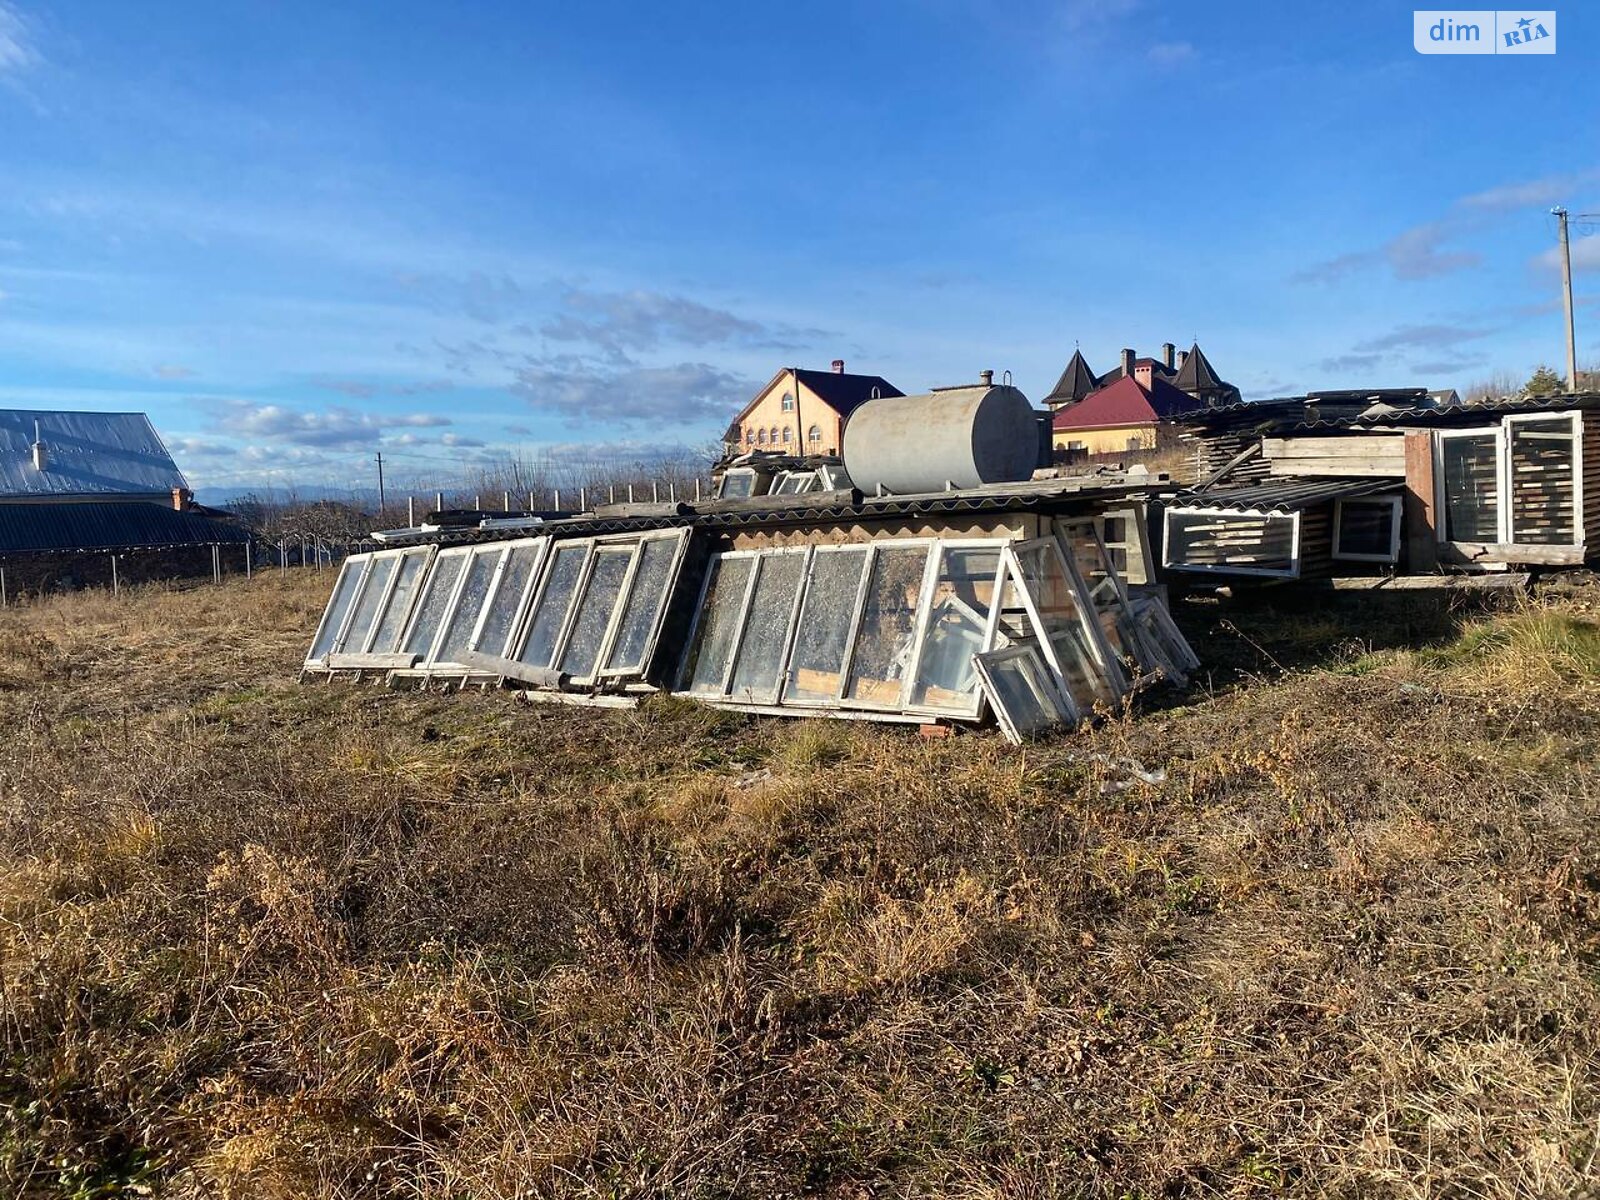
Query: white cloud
{"type": "Point", "coordinates": [329, 429]}
{"type": "Point", "coordinates": [1170, 53]}
{"type": "Point", "coordinates": [598, 396]}
{"type": "Point", "coordinates": [16, 43]}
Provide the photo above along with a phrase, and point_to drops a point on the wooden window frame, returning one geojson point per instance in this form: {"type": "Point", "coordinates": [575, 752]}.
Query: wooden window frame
{"type": "Point", "coordinates": [1394, 503]}
{"type": "Point", "coordinates": [1227, 569]}
{"type": "Point", "coordinates": [1504, 521]}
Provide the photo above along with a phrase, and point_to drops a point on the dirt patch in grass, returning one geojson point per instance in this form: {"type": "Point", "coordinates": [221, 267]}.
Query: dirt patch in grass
{"type": "Point", "coordinates": [264, 939]}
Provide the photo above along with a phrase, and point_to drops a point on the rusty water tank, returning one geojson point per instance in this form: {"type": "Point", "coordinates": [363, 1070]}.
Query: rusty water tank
{"type": "Point", "coordinates": [966, 436]}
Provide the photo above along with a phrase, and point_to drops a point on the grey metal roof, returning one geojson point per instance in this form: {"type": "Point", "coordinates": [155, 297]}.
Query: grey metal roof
{"type": "Point", "coordinates": [1287, 494]}
{"type": "Point", "coordinates": [86, 454]}
{"type": "Point", "coordinates": [93, 526]}
{"type": "Point", "coordinates": [823, 508]}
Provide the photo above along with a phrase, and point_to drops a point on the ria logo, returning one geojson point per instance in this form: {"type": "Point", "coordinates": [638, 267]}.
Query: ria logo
{"type": "Point", "coordinates": [1484, 31]}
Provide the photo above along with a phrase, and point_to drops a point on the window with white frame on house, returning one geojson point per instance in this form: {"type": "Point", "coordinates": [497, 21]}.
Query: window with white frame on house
{"type": "Point", "coordinates": [788, 402]}
{"type": "Point", "coordinates": [1367, 529]}
{"type": "Point", "coordinates": [814, 434]}
{"type": "Point", "coordinates": [1518, 483]}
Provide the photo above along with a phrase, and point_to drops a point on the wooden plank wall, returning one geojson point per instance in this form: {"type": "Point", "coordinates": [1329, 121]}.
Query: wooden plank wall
{"type": "Point", "coordinates": [1316, 542]}
{"type": "Point", "coordinates": [1358, 454]}
{"type": "Point", "coordinates": [1213, 452]}
{"type": "Point", "coordinates": [1591, 486]}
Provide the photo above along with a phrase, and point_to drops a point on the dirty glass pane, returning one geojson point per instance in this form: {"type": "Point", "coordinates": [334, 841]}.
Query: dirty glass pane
{"type": "Point", "coordinates": [648, 594]}
{"type": "Point", "coordinates": [378, 576]}
{"type": "Point", "coordinates": [399, 606]}
{"type": "Point", "coordinates": [599, 601]}
{"type": "Point", "coordinates": [718, 623]}
{"type": "Point", "coordinates": [1056, 596]}
{"type": "Point", "coordinates": [505, 607]}
{"type": "Point", "coordinates": [1093, 562]}
{"type": "Point", "coordinates": [737, 485]}
{"type": "Point", "coordinates": [435, 597]}
{"type": "Point", "coordinates": [344, 594]}
{"type": "Point", "coordinates": [1471, 488]}
{"type": "Point", "coordinates": [1019, 691]}
{"type": "Point", "coordinates": [1542, 482]}
{"type": "Point", "coordinates": [474, 594]}
{"type": "Point", "coordinates": [962, 595]}
{"type": "Point", "coordinates": [888, 625]}
{"type": "Point", "coordinates": [755, 671]}
{"type": "Point", "coordinates": [823, 631]}
{"type": "Point", "coordinates": [1366, 528]}
{"type": "Point", "coordinates": [565, 568]}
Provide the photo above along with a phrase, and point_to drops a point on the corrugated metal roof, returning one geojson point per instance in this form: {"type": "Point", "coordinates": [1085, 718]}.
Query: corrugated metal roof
{"type": "Point", "coordinates": [1287, 494]}
{"type": "Point", "coordinates": [94, 526]}
{"type": "Point", "coordinates": [825, 508]}
{"type": "Point", "coordinates": [86, 454]}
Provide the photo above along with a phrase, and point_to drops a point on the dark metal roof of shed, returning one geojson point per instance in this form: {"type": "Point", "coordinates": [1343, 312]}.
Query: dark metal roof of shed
{"type": "Point", "coordinates": [112, 526]}
{"type": "Point", "coordinates": [1288, 494]}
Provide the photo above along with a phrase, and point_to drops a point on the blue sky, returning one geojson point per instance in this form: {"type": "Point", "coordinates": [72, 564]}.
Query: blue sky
{"type": "Point", "coordinates": [296, 234]}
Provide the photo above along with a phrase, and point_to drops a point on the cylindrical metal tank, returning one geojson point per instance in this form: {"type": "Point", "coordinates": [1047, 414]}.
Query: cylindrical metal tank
{"type": "Point", "coordinates": [966, 436]}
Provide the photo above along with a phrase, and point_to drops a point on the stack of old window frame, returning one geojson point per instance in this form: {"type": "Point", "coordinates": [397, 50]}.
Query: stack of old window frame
{"type": "Point", "coordinates": [576, 612]}
{"type": "Point", "coordinates": [925, 628]}
{"type": "Point", "coordinates": [912, 629]}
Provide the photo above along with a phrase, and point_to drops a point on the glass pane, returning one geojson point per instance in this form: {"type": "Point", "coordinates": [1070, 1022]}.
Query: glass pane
{"type": "Point", "coordinates": [474, 593]}
{"type": "Point", "coordinates": [755, 672]}
{"type": "Point", "coordinates": [378, 575]}
{"type": "Point", "coordinates": [946, 677]}
{"type": "Point", "coordinates": [719, 620]}
{"type": "Point", "coordinates": [1056, 596]}
{"type": "Point", "coordinates": [344, 594]}
{"type": "Point", "coordinates": [1366, 528]}
{"type": "Point", "coordinates": [1018, 689]}
{"type": "Point", "coordinates": [648, 594]}
{"type": "Point", "coordinates": [399, 606]}
{"type": "Point", "coordinates": [1093, 563]}
{"type": "Point", "coordinates": [737, 485]}
{"type": "Point", "coordinates": [888, 625]}
{"type": "Point", "coordinates": [599, 601]}
{"type": "Point", "coordinates": [1542, 482]}
{"type": "Point", "coordinates": [1471, 489]}
{"type": "Point", "coordinates": [565, 568]}
{"type": "Point", "coordinates": [507, 603]}
{"type": "Point", "coordinates": [823, 630]}
{"type": "Point", "coordinates": [430, 609]}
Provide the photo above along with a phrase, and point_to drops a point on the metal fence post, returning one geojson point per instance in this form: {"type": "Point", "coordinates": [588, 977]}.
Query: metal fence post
{"type": "Point", "coordinates": [411, 512]}
{"type": "Point", "coordinates": [116, 587]}
{"type": "Point", "coordinates": [5, 601]}
{"type": "Point", "coordinates": [216, 563]}
{"type": "Point", "coordinates": [249, 553]}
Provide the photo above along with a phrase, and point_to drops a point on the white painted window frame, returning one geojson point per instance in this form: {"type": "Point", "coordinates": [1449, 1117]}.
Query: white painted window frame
{"type": "Point", "coordinates": [1205, 569]}
{"type": "Point", "coordinates": [1394, 503]}
{"type": "Point", "coordinates": [1502, 432]}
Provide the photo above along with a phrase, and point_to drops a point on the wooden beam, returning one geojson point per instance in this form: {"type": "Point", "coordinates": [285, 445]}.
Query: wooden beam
{"type": "Point", "coordinates": [1410, 583]}
{"type": "Point", "coordinates": [1419, 521]}
{"type": "Point", "coordinates": [1500, 553]}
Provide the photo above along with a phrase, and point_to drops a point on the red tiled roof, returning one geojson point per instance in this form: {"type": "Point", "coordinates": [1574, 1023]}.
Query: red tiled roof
{"type": "Point", "coordinates": [1126, 402]}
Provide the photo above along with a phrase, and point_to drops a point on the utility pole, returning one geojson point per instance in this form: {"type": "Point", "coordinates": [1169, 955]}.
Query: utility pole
{"type": "Point", "coordinates": [1566, 295]}
{"type": "Point", "coordinates": [380, 482]}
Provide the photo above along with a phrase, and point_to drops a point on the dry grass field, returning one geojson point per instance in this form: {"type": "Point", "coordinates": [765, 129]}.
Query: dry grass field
{"type": "Point", "coordinates": [1327, 926]}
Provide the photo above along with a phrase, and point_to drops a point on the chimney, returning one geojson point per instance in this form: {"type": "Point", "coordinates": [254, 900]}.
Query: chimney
{"type": "Point", "coordinates": [1127, 361]}
{"type": "Point", "coordinates": [1168, 354]}
{"type": "Point", "coordinates": [1183, 357]}
{"type": "Point", "coordinates": [181, 498]}
{"type": "Point", "coordinates": [41, 458]}
{"type": "Point", "coordinates": [838, 366]}
{"type": "Point", "coordinates": [987, 377]}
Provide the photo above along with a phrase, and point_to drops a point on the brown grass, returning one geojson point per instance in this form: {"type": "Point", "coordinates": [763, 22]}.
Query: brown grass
{"type": "Point", "coordinates": [266, 940]}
